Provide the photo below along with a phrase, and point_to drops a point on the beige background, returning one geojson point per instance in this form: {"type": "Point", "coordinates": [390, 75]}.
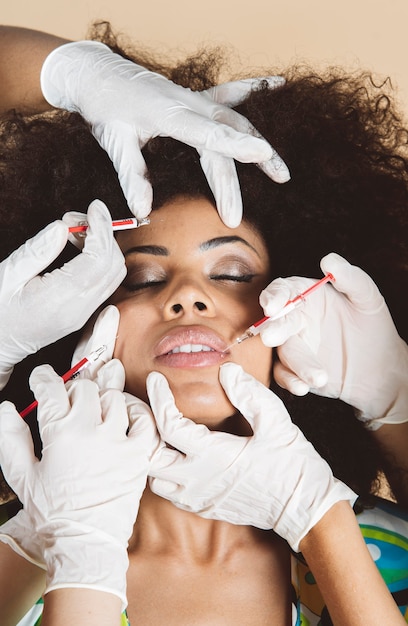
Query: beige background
{"type": "Point", "coordinates": [369, 33]}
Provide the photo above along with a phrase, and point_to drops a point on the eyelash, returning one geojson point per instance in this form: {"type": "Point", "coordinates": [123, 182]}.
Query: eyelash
{"type": "Point", "coordinates": [244, 278]}
{"type": "Point", "coordinates": [140, 286]}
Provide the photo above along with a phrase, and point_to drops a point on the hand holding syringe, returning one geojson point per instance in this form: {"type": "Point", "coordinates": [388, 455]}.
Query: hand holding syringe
{"type": "Point", "coordinates": [82, 364]}
{"type": "Point", "coordinates": [255, 329]}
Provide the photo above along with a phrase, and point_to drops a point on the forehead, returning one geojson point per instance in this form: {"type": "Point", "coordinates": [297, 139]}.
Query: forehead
{"type": "Point", "coordinates": [187, 224]}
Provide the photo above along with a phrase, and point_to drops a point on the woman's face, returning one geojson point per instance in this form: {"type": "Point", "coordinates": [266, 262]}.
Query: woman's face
{"type": "Point", "coordinates": [191, 289]}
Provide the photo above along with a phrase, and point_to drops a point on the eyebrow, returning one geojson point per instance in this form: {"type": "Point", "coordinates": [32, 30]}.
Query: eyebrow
{"type": "Point", "coordinates": [220, 241]}
{"type": "Point", "coordinates": [155, 250]}
{"type": "Point", "coordinates": [206, 245]}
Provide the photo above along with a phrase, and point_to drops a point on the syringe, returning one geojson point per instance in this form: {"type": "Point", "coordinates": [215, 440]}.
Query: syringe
{"type": "Point", "coordinates": [82, 364]}
{"type": "Point", "coordinates": [289, 306]}
{"type": "Point", "coordinates": [124, 224]}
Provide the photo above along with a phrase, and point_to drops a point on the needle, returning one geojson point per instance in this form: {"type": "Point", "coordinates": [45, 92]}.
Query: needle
{"type": "Point", "coordinates": [82, 364]}
{"type": "Point", "coordinates": [123, 224]}
{"type": "Point", "coordinates": [289, 306]}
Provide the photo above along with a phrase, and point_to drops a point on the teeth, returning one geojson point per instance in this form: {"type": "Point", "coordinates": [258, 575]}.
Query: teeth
{"type": "Point", "coordinates": [191, 347]}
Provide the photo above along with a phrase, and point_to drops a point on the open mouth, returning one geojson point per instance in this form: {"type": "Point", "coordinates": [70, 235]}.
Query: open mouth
{"type": "Point", "coordinates": [191, 347]}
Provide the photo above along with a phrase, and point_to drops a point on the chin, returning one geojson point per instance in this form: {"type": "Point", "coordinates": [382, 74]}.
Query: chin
{"type": "Point", "coordinates": [203, 403]}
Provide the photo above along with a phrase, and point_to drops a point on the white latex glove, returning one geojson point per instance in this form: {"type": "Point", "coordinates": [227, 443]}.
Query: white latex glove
{"type": "Point", "coordinates": [127, 105]}
{"type": "Point", "coordinates": [82, 498]}
{"type": "Point", "coordinates": [272, 480]}
{"type": "Point", "coordinates": [18, 532]}
{"type": "Point", "coordinates": [37, 310]}
{"type": "Point", "coordinates": [341, 343]}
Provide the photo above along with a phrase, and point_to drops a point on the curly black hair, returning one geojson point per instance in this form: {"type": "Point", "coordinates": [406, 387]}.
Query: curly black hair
{"type": "Point", "coordinates": [345, 144]}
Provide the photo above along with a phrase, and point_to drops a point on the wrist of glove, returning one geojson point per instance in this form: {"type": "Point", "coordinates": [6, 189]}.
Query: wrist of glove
{"type": "Point", "coordinates": [69, 553]}
{"type": "Point", "coordinates": [273, 480]}
{"type": "Point", "coordinates": [392, 407]}
{"type": "Point", "coordinates": [80, 555]}
{"type": "Point", "coordinates": [82, 521]}
{"type": "Point", "coordinates": [19, 534]}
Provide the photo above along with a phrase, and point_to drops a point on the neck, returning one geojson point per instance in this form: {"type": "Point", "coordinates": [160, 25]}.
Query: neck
{"type": "Point", "coordinates": [164, 529]}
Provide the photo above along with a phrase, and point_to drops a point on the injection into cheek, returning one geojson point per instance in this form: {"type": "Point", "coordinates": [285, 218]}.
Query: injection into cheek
{"type": "Point", "coordinates": [255, 329]}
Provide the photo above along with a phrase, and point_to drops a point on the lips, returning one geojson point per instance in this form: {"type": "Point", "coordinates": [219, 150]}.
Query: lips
{"type": "Point", "coordinates": [194, 346]}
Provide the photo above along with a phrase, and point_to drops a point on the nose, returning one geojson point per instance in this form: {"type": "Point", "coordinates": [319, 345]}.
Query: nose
{"type": "Point", "coordinates": [188, 298]}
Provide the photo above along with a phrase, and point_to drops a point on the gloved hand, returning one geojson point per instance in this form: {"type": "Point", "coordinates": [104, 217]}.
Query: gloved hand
{"type": "Point", "coordinates": [272, 480]}
{"type": "Point", "coordinates": [341, 343]}
{"type": "Point", "coordinates": [18, 532]}
{"type": "Point", "coordinates": [98, 332]}
{"type": "Point", "coordinates": [37, 310]}
{"type": "Point", "coordinates": [82, 498]}
{"type": "Point", "coordinates": [127, 105]}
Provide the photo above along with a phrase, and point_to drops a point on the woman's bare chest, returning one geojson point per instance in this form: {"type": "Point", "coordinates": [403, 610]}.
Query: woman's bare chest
{"type": "Point", "coordinates": [252, 591]}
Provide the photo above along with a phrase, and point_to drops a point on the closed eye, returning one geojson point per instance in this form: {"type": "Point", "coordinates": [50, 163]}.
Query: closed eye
{"type": "Point", "coordinates": [144, 285]}
{"type": "Point", "coordinates": [239, 278]}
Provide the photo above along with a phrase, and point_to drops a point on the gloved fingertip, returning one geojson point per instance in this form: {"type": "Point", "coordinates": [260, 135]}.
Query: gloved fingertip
{"type": "Point", "coordinates": [330, 262]}
{"type": "Point", "coordinates": [298, 387]}
{"type": "Point", "coordinates": [222, 178]}
{"type": "Point", "coordinates": [231, 217]}
{"type": "Point", "coordinates": [140, 210]}
{"type": "Point", "coordinates": [274, 81]}
{"type": "Point", "coordinates": [59, 230]}
{"type": "Point", "coordinates": [139, 197]}
{"type": "Point", "coordinates": [229, 371]}
{"type": "Point", "coordinates": [162, 488]}
{"type": "Point", "coordinates": [42, 374]}
{"type": "Point", "coordinates": [7, 407]}
{"type": "Point", "coordinates": [155, 379]}
{"type": "Point", "coordinates": [319, 379]}
{"type": "Point", "coordinates": [233, 367]}
{"type": "Point", "coordinates": [276, 169]}
{"type": "Point", "coordinates": [228, 201]}
{"type": "Point", "coordinates": [109, 316]}
{"type": "Point", "coordinates": [98, 209]}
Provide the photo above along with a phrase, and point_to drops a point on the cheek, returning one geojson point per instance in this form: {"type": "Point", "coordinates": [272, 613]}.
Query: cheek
{"type": "Point", "coordinates": [131, 337]}
{"type": "Point", "coordinates": [255, 358]}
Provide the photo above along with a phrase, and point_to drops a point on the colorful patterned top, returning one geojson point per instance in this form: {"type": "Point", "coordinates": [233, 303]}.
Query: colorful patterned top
{"type": "Point", "coordinates": [385, 531]}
